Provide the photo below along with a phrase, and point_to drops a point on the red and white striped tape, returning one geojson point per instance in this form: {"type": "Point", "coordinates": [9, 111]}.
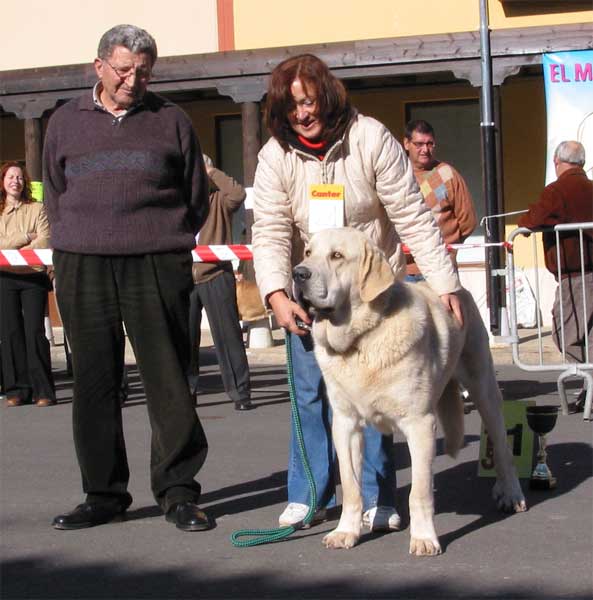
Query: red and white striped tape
{"type": "Point", "coordinates": [40, 257]}
{"type": "Point", "coordinates": [219, 253]}
{"type": "Point", "coordinates": [22, 258]}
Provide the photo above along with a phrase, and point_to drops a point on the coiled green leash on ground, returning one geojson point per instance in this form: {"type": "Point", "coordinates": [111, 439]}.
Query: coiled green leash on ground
{"type": "Point", "coordinates": [268, 536]}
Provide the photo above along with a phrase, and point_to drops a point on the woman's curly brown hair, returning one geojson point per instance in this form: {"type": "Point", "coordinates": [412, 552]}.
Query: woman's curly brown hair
{"type": "Point", "coordinates": [334, 109]}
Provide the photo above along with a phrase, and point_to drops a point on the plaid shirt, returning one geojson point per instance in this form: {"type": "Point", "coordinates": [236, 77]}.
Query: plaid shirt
{"type": "Point", "coordinates": [448, 197]}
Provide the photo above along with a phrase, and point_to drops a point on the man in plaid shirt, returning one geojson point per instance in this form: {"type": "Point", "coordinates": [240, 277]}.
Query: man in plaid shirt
{"type": "Point", "coordinates": [443, 188]}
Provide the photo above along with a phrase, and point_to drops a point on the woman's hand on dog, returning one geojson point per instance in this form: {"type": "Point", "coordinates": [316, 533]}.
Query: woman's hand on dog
{"type": "Point", "coordinates": [286, 311]}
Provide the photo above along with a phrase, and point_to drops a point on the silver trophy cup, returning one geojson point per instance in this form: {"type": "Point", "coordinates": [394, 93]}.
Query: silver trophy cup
{"type": "Point", "coordinates": [541, 419]}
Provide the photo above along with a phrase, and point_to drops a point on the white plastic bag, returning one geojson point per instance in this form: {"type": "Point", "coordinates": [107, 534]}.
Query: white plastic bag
{"type": "Point", "coordinates": [525, 300]}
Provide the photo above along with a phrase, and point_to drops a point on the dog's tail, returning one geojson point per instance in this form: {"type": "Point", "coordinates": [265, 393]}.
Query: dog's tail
{"type": "Point", "coordinates": [450, 412]}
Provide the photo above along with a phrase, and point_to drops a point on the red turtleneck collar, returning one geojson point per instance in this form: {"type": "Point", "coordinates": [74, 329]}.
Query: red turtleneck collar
{"type": "Point", "coordinates": [317, 148]}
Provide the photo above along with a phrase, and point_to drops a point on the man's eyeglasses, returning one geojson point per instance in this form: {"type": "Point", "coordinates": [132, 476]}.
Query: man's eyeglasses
{"type": "Point", "coordinates": [429, 145]}
{"type": "Point", "coordinates": [141, 73]}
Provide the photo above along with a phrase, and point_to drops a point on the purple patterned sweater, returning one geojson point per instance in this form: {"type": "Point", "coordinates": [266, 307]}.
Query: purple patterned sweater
{"type": "Point", "coordinates": [133, 186]}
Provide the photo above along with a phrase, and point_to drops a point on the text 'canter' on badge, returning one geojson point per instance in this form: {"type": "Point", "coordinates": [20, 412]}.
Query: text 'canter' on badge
{"type": "Point", "coordinates": [326, 206]}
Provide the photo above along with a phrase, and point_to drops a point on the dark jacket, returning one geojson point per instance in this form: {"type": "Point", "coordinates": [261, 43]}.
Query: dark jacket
{"type": "Point", "coordinates": [218, 228]}
{"type": "Point", "coordinates": [120, 187]}
{"type": "Point", "coordinates": [569, 199]}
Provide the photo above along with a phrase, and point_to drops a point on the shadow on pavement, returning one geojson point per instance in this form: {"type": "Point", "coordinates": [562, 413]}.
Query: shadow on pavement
{"type": "Point", "coordinates": [38, 578]}
{"type": "Point", "coordinates": [210, 384]}
{"type": "Point", "coordinates": [459, 490]}
{"type": "Point", "coordinates": [522, 389]}
{"type": "Point", "coordinates": [265, 491]}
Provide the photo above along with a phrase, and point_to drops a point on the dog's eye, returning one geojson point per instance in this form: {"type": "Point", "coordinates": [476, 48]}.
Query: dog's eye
{"type": "Point", "coordinates": [307, 253]}
{"type": "Point", "coordinates": [337, 255]}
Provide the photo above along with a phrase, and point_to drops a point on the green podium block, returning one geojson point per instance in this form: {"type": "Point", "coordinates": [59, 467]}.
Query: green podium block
{"type": "Point", "coordinates": [519, 438]}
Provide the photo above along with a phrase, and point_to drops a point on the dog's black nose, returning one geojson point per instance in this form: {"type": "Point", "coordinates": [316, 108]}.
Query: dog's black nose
{"type": "Point", "coordinates": [300, 273]}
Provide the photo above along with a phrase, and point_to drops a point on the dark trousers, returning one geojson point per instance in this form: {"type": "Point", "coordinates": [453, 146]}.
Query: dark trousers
{"type": "Point", "coordinates": [150, 294]}
{"type": "Point", "coordinates": [26, 362]}
{"type": "Point", "coordinates": [219, 297]}
{"type": "Point", "coordinates": [577, 310]}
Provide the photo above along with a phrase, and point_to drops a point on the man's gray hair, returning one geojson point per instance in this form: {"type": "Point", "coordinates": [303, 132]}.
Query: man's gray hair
{"type": "Point", "coordinates": [570, 152]}
{"type": "Point", "coordinates": [133, 38]}
{"type": "Point", "coordinates": [208, 161]}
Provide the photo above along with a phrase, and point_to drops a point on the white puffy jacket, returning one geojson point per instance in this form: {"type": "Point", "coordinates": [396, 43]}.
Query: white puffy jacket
{"type": "Point", "coordinates": [381, 198]}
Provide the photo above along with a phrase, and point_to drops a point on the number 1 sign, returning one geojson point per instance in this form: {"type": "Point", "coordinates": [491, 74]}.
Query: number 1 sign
{"type": "Point", "coordinates": [519, 438]}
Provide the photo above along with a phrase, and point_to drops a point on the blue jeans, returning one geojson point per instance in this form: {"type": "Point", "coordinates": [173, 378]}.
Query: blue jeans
{"type": "Point", "coordinates": [378, 470]}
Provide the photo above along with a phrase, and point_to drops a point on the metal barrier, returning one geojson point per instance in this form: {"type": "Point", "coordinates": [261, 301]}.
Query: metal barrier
{"type": "Point", "coordinates": [566, 369]}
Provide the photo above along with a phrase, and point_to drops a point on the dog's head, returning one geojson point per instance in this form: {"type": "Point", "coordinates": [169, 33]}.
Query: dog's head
{"type": "Point", "coordinates": [342, 268]}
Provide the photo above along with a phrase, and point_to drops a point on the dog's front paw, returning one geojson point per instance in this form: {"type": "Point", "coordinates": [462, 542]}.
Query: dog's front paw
{"type": "Point", "coordinates": [508, 496]}
{"type": "Point", "coordinates": [424, 547]}
{"type": "Point", "coordinates": [340, 539]}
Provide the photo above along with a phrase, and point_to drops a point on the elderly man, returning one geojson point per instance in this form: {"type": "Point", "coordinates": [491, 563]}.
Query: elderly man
{"type": "Point", "coordinates": [443, 188]}
{"type": "Point", "coordinates": [569, 199]}
{"type": "Point", "coordinates": [126, 192]}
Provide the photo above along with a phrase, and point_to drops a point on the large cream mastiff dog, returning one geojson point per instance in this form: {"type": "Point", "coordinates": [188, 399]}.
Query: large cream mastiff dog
{"type": "Point", "coordinates": [393, 356]}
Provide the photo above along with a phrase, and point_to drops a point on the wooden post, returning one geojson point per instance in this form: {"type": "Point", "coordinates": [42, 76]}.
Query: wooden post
{"type": "Point", "coordinates": [33, 162]}
{"type": "Point", "coordinates": [33, 148]}
{"type": "Point", "coordinates": [251, 140]}
{"type": "Point", "coordinates": [250, 119]}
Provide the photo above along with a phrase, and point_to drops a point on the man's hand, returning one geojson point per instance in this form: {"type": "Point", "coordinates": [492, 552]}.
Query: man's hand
{"type": "Point", "coordinates": [286, 310]}
{"type": "Point", "coordinates": [451, 301]}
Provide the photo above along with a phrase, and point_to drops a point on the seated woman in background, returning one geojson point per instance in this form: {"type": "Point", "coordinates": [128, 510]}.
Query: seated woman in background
{"type": "Point", "coordinates": [26, 362]}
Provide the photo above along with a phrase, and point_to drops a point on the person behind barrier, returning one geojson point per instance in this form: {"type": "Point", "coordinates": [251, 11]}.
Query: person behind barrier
{"type": "Point", "coordinates": [26, 360]}
{"type": "Point", "coordinates": [215, 291]}
{"type": "Point", "coordinates": [126, 192]}
{"type": "Point", "coordinates": [323, 151]}
{"type": "Point", "coordinates": [443, 188]}
{"type": "Point", "coordinates": [569, 199]}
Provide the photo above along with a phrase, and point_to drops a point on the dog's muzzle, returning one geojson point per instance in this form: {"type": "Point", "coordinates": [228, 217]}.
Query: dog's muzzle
{"type": "Point", "coordinates": [309, 289]}
{"type": "Point", "coordinates": [301, 277]}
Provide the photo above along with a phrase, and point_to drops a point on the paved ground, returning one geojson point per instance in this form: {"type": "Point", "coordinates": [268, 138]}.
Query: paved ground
{"type": "Point", "coordinates": [544, 553]}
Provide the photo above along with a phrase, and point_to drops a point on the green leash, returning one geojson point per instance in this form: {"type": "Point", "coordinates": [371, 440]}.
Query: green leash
{"type": "Point", "coordinates": [267, 536]}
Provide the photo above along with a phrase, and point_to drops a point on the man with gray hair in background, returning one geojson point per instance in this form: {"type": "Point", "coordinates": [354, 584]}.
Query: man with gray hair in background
{"type": "Point", "coordinates": [569, 199]}
{"type": "Point", "coordinates": [126, 192]}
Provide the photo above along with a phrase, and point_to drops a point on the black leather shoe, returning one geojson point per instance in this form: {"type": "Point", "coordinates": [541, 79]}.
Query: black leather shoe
{"type": "Point", "coordinates": [244, 405]}
{"type": "Point", "coordinates": [188, 516]}
{"type": "Point", "coordinates": [88, 515]}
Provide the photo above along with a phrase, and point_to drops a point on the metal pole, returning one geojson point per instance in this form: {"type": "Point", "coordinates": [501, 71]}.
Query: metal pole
{"type": "Point", "coordinates": [490, 189]}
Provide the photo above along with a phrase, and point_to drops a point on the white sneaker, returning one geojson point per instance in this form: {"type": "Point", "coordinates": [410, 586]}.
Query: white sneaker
{"type": "Point", "coordinates": [381, 518]}
{"type": "Point", "coordinates": [294, 513]}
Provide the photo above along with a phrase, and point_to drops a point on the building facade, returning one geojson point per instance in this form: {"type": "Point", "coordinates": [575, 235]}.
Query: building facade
{"type": "Point", "coordinates": [399, 60]}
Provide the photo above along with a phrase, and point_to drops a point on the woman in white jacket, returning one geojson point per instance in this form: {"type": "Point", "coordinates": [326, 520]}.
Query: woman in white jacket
{"type": "Point", "coordinates": [322, 148]}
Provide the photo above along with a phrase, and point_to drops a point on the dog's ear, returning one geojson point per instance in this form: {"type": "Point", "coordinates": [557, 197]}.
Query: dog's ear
{"type": "Point", "coordinates": [375, 274]}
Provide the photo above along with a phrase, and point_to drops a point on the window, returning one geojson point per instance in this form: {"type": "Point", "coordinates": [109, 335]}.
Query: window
{"type": "Point", "coordinates": [457, 132]}
{"type": "Point", "coordinates": [229, 146]}
{"type": "Point", "coordinates": [229, 158]}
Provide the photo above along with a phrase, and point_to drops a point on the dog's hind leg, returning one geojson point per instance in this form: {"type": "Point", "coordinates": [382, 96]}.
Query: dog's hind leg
{"type": "Point", "coordinates": [480, 381]}
{"type": "Point", "coordinates": [349, 443]}
{"type": "Point", "coordinates": [420, 433]}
